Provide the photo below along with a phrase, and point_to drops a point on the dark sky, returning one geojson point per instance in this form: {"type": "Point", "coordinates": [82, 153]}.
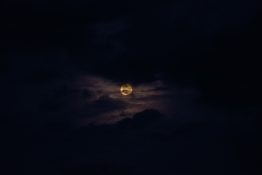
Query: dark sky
{"type": "Point", "coordinates": [194, 66]}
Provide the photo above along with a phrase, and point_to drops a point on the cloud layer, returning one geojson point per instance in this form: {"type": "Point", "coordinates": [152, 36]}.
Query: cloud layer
{"type": "Point", "coordinates": [106, 104]}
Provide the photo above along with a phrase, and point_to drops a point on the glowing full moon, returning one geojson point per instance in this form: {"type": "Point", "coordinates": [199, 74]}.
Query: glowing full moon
{"type": "Point", "coordinates": [126, 89]}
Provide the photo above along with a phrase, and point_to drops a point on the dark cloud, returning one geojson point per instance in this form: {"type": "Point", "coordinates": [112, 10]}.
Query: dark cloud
{"type": "Point", "coordinates": [104, 105]}
{"type": "Point", "coordinates": [141, 120]}
{"type": "Point", "coordinates": [151, 143]}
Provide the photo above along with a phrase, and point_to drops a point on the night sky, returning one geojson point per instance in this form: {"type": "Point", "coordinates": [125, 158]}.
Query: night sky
{"type": "Point", "coordinates": [195, 70]}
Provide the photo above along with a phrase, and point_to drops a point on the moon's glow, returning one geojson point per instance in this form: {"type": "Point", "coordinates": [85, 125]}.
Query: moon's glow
{"type": "Point", "coordinates": [126, 89]}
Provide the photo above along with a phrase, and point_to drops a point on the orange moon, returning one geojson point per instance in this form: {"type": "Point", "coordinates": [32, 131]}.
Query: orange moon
{"type": "Point", "coordinates": [126, 89]}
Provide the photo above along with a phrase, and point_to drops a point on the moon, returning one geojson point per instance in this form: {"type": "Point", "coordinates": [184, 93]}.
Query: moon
{"type": "Point", "coordinates": [126, 89]}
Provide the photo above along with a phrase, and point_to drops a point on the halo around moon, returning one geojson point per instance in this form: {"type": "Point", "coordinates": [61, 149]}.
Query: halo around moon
{"type": "Point", "coordinates": [126, 89]}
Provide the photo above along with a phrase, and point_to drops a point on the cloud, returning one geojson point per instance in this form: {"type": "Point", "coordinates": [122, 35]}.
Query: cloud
{"type": "Point", "coordinates": [141, 120]}
{"type": "Point", "coordinates": [105, 104]}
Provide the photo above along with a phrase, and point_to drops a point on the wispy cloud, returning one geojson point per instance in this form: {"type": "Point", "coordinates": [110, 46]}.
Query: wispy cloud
{"type": "Point", "coordinates": [107, 105]}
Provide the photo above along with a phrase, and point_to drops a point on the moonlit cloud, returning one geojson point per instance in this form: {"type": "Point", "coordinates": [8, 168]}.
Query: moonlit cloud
{"type": "Point", "coordinates": [107, 105]}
